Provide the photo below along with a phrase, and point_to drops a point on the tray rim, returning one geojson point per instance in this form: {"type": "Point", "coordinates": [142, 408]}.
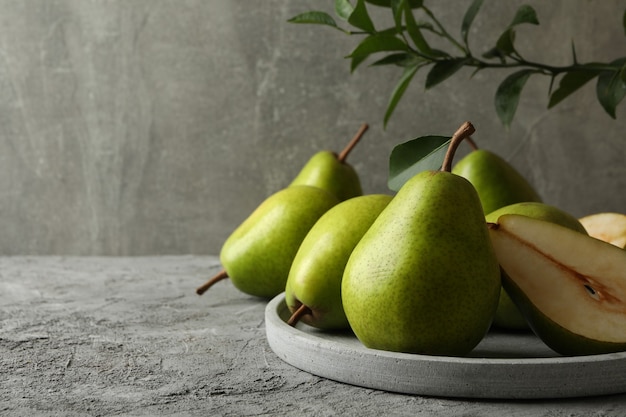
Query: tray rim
{"type": "Point", "coordinates": [564, 372]}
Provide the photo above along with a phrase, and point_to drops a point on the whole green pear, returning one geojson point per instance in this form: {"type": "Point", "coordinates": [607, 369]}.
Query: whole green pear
{"type": "Point", "coordinates": [497, 182]}
{"type": "Point", "coordinates": [315, 276]}
{"type": "Point", "coordinates": [257, 256]}
{"type": "Point", "coordinates": [325, 170]}
{"type": "Point", "coordinates": [508, 315]}
{"type": "Point", "coordinates": [424, 278]}
{"type": "Point", "coordinates": [330, 171]}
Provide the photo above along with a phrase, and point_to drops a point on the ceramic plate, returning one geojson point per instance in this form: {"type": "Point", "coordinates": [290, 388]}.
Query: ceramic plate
{"type": "Point", "coordinates": [503, 365]}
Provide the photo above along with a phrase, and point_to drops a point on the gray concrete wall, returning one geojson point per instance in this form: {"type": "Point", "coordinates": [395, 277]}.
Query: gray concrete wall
{"type": "Point", "coordinates": [134, 127]}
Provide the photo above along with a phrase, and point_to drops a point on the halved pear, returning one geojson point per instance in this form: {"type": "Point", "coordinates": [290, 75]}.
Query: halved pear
{"type": "Point", "coordinates": [609, 226]}
{"type": "Point", "coordinates": [570, 287]}
{"type": "Point", "coordinates": [508, 316]}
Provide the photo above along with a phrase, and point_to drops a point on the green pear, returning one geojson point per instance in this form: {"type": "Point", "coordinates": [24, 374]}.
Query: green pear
{"type": "Point", "coordinates": [331, 172]}
{"type": "Point", "coordinates": [257, 256]}
{"type": "Point", "coordinates": [424, 278]}
{"type": "Point", "coordinates": [570, 287]}
{"type": "Point", "coordinates": [313, 290]}
{"type": "Point", "coordinates": [497, 182]}
{"type": "Point", "coordinates": [508, 315]}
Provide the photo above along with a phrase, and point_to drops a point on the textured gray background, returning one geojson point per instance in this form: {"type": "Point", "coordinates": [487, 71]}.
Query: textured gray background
{"type": "Point", "coordinates": [154, 127]}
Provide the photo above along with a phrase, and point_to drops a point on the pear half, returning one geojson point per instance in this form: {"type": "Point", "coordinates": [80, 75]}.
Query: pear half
{"type": "Point", "coordinates": [570, 287]}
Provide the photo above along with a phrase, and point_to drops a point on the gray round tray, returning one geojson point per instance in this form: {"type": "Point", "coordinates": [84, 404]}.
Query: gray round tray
{"type": "Point", "coordinates": [503, 365]}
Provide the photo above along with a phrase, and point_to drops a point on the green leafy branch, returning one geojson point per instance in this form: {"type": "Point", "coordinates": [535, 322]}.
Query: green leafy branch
{"type": "Point", "coordinates": [405, 45]}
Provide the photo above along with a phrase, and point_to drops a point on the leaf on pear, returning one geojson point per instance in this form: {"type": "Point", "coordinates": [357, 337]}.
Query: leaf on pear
{"type": "Point", "coordinates": [372, 44]}
{"type": "Point", "coordinates": [414, 156]}
{"type": "Point", "coordinates": [611, 89]}
{"type": "Point", "coordinates": [469, 17]}
{"type": "Point", "coordinates": [508, 94]}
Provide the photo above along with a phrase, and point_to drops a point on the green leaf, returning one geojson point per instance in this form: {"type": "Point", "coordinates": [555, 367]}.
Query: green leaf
{"type": "Point", "coordinates": [574, 57]}
{"type": "Point", "coordinates": [388, 3]}
{"type": "Point", "coordinates": [505, 42]}
{"type": "Point", "coordinates": [417, 155]}
{"type": "Point", "coordinates": [494, 53]}
{"type": "Point", "coordinates": [375, 43]}
{"type": "Point", "coordinates": [360, 18]}
{"type": "Point", "coordinates": [343, 9]}
{"type": "Point", "coordinates": [468, 19]}
{"type": "Point", "coordinates": [508, 94]}
{"type": "Point", "coordinates": [397, 6]}
{"type": "Point", "coordinates": [399, 90]}
{"type": "Point", "coordinates": [611, 89]}
{"type": "Point", "coordinates": [314, 17]}
{"type": "Point", "coordinates": [570, 82]}
{"type": "Point", "coordinates": [391, 31]}
{"type": "Point", "coordinates": [442, 70]}
{"type": "Point", "coordinates": [399, 59]}
{"type": "Point", "coordinates": [414, 31]}
{"type": "Point", "coordinates": [525, 14]}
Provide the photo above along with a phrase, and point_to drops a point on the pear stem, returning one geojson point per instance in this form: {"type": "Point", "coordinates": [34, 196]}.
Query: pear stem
{"type": "Point", "coordinates": [216, 278]}
{"type": "Point", "coordinates": [462, 133]}
{"type": "Point", "coordinates": [297, 315]}
{"type": "Point", "coordinates": [471, 143]}
{"type": "Point", "coordinates": [344, 153]}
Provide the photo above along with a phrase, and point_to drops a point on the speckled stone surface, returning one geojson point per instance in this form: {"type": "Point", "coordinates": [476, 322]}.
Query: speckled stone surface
{"type": "Point", "coordinates": [86, 336]}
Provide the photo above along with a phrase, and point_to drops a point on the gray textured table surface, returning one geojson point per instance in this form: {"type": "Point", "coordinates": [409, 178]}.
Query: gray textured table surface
{"type": "Point", "coordinates": [129, 336]}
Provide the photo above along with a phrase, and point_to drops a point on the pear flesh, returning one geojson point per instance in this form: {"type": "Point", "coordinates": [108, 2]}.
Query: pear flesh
{"type": "Point", "coordinates": [424, 278]}
{"type": "Point", "coordinates": [508, 316]}
{"type": "Point", "coordinates": [609, 226]}
{"type": "Point", "coordinates": [315, 275]}
{"type": "Point", "coordinates": [257, 256]}
{"type": "Point", "coordinates": [570, 287]}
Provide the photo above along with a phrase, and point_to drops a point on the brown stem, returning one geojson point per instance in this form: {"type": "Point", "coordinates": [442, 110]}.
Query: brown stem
{"type": "Point", "coordinates": [472, 144]}
{"type": "Point", "coordinates": [297, 315]}
{"type": "Point", "coordinates": [217, 277]}
{"type": "Point", "coordinates": [461, 134]}
{"type": "Point", "coordinates": [344, 154]}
